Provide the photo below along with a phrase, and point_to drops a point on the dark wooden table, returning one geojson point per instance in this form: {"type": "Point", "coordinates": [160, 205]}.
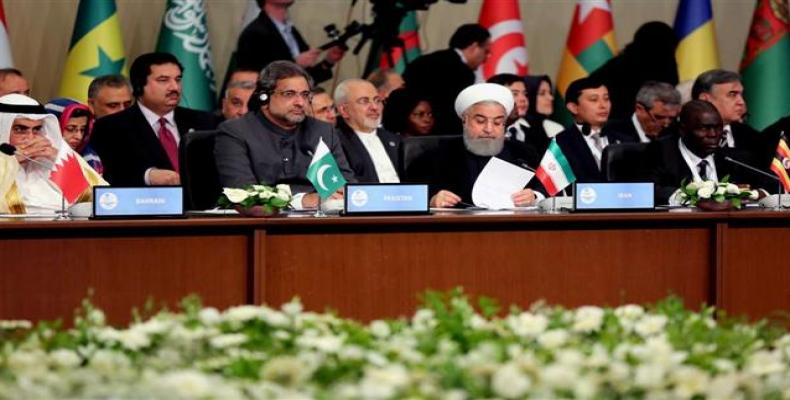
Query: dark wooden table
{"type": "Point", "coordinates": [373, 267]}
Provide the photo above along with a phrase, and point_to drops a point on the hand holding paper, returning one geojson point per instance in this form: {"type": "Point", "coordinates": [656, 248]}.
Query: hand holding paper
{"type": "Point", "coordinates": [499, 184]}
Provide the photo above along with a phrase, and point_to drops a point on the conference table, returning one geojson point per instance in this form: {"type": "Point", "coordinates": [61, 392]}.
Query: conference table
{"type": "Point", "coordinates": [376, 267]}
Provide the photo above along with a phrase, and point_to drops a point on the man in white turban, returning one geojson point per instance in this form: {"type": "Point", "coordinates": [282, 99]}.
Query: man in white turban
{"type": "Point", "coordinates": [25, 185]}
{"type": "Point", "coordinates": [452, 169]}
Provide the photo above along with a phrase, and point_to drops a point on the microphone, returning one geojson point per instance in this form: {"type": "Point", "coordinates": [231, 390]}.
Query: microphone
{"type": "Point", "coordinates": [9, 149]}
{"type": "Point", "coordinates": [750, 168]}
{"type": "Point", "coordinates": [523, 164]}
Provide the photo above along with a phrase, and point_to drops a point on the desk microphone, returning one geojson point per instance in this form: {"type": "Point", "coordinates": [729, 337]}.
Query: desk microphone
{"type": "Point", "coordinates": [9, 149]}
{"type": "Point", "coordinates": [750, 168]}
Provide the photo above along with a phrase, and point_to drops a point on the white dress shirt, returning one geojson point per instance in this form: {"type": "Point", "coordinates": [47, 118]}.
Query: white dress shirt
{"type": "Point", "coordinates": [693, 163]}
{"type": "Point", "coordinates": [381, 161]}
{"type": "Point", "coordinates": [286, 31]}
{"type": "Point", "coordinates": [727, 136]}
{"type": "Point", "coordinates": [589, 139]}
{"type": "Point", "coordinates": [639, 131]}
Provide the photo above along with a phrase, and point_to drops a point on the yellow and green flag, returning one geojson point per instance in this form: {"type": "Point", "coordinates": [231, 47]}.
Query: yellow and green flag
{"type": "Point", "coordinates": [96, 48]}
{"type": "Point", "coordinates": [697, 50]}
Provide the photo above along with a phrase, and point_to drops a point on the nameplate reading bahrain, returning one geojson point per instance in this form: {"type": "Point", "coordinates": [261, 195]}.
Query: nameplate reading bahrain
{"type": "Point", "coordinates": [138, 202]}
{"type": "Point", "coordinates": [386, 198]}
{"type": "Point", "coordinates": [632, 196]}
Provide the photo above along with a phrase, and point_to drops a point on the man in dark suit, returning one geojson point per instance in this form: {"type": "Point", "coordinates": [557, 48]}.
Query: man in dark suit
{"type": "Point", "coordinates": [274, 144]}
{"type": "Point", "coordinates": [272, 37]}
{"type": "Point", "coordinates": [583, 142]}
{"type": "Point", "coordinates": [445, 73]}
{"type": "Point", "coordinates": [452, 169]}
{"type": "Point", "coordinates": [693, 156]}
{"type": "Point", "coordinates": [724, 90]}
{"type": "Point", "coordinates": [139, 146]}
{"type": "Point", "coordinates": [372, 152]}
{"type": "Point", "coordinates": [657, 106]}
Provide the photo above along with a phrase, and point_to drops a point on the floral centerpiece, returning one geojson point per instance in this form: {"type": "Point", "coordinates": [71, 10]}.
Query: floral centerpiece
{"type": "Point", "coordinates": [451, 348]}
{"type": "Point", "coordinates": [712, 195]}
{"type": "Point", "coordinates": [256, 200]}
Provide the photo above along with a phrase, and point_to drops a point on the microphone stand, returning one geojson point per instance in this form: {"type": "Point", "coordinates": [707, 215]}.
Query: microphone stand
{"type": "Point", "coordinates": [60, 215]}
{"type": "Point", "coordinates": [780, 193]}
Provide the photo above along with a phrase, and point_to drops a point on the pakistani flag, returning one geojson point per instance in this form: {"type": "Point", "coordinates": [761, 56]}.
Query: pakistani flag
{"type": "Point", "coordinates": [323, 172]}
{"type": "Point", "coordinates": [96, 48]}
{"type": "Point", "coordinates": [184, 34]}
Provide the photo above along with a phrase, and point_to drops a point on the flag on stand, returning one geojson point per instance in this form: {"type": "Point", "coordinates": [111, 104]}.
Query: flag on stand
{"type": "Point", "coordinates": [96, 48]}
{"type": "Point", "coordinates": [323, 171]}
{"type": "Point", "coordinates": [590, 44]}
{"type": "Point", "coordinates": [502, 18]}
{"type": "Point", "coordinates": [410, 35]}
{"type": "Point", "coordinates": [6, 60]}
{"type": "Point", "coordinates": [67, 175]}
{"type": "Point", "coordinates": [697, 51]}
{"type": "Point", "coordinates": [765, 67]}
{"type": "Point", "coordinates": [781, 163]}
{"type": "Point", "coordinates": [184, 34]}
{"type": "Point", "coordinates": [554, 171]}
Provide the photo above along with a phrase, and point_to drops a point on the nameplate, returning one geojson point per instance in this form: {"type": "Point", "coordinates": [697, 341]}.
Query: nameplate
{"type": "Point", "coordinates": [386, 198]}
{"type": "Point", "coordinates": [614, 196]}
{"type": "Point", "coordinates": [141, 202]}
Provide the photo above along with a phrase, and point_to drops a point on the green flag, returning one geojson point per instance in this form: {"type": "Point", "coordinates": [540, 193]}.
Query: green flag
{"type": "Point", "coordinates": [184, 34]}
{"type": "Point", "coordinates": [323, 172]}
{"type": "Point", "coordinates": [766, 64]}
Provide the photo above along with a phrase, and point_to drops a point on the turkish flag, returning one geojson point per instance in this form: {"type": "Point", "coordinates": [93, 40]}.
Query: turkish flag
{"type": "Point", "coordinates": [67, 175]}
{"type": "Point", "coordinates": [508, 47]}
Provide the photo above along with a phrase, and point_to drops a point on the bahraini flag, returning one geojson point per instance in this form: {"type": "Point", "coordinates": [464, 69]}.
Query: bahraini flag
{"type": "Point", "coordinates": [96, 48]}
{"type": "Point", "coordinates": [67, 175]}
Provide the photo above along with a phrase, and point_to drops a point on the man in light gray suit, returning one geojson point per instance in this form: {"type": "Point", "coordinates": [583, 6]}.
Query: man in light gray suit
{"type": "Point", "coordinates": [275, 141]}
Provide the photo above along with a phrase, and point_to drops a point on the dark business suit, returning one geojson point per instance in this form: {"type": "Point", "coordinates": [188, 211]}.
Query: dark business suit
{"type": "Point", "coordinates": [452, 167]}
{"type": "Point", "coordinates": [252, 150]}
{"type": "Point", "coordinates": [668, 169]}
{"type": "Point", "coordinates": [622, 130]}
{"type": "Point", "coordinates": [358, 157]}
{"type": "Point", "coordinates": [440, 75]}
{"type": "Point", "coordinates": [581, 159]}
{"type": "Point", "coordinates": [260, 43]}
{"type": "Point", "coordinates": [128, 145]}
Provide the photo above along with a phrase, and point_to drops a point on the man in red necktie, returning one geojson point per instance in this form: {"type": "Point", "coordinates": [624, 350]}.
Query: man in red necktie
{"type": "Point", "coordinates": [139, 146]}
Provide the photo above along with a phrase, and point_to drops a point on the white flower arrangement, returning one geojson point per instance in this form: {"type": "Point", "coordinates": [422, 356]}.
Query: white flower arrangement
{"type": "Point", "coordinates": [270, 198]}
{"type": "Point", "coordinates": [719, 192]}
{"type": "Point", "coordinates": [257, 352]}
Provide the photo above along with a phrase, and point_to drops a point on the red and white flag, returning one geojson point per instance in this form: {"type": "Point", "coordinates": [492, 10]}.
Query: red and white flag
{"type": "Point", "coordinates": [508, 47]}
{"type": "Point", "coordinates": [6, 61]}
{"type": "Point", "coordinates": [67, 175]}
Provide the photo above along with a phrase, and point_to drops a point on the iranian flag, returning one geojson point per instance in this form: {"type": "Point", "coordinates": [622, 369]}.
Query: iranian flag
{"type": "Point", "coordinates": [67, 175]}
{"type": "Point", "coordinates": [323, 171]}
{"type": "Point", "coordinates": [554, 172]}
{"type": "Point", "coordinates": [766, 64]}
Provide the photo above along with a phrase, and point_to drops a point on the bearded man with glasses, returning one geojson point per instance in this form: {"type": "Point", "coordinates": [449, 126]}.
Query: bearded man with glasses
{"type": "Point", "coordinates": [275, 143]}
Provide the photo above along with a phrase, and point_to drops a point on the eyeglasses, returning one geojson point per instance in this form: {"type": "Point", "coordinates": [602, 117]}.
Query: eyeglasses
{"type": "Point", "coordinates": [366, 101]}
{"type": "Point", "coordinates": [291, 94]}
{"type": "Point", "coordinates": [657, 118]}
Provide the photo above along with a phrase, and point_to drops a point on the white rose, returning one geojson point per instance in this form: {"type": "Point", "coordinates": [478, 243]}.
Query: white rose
{"type": "Point", "coordinates": [266, 194]}
{"type": "Point", "coordinates": [559, 376]}
{"type": "Point", "coordinates": [509, 382]}
{"type": "Point", "coordinates": [186, 384]}
{"type": "Point", "coordinates": [134, 339]}
{"type": "Point", "coordinates": [242, 313]}
{"type": "Point", "coordinates": [227, 340]}
{"type": "Point", "coordinates": [282, 188]}
{"type": "Point", "coordinates": [379, 329]}
{"type": "Point", "coordinates": [650, 325]}
{"type": "Point", "coordinates": [649, 376]}
{"type": "Point", "coordinates": [292, 307]}
{"type": "Point", "coordinates": [733, 189]}
{"type": "Point", "coordinates": [258, 188]}
{"type": "Point", "coordinates": [235, 195]}
{"type": "Point", "coordinates": [209, 316]}
{"type": "Point", "coordinates": [689, 381]}
{"type": "Point", "coordinates": [721, 190]}
{"type": "Point", "coordinates": [754, 195]}
{"type": "Point", "coordinates": [527, 324]}
{"type": "Point", "coordinates": [705, 192]}
{"type": "Point", "coordinates": [553, 339]}
{"type": "Point", "coordinates": [708, 184]}
{"type": "Point", "coordinates": [693, 186]}
{"type": "Point", "coordinates": [588, 319]}
{"type": "Point", "coordinates": [722, 387]}
{"type": "Point", "coordinates": [64, 358]}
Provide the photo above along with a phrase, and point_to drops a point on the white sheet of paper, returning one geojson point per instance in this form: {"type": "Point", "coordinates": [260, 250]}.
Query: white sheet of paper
{"type": "Point", "coordinates": [497, 182]}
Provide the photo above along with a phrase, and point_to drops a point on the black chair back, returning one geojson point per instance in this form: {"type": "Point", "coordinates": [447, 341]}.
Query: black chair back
{"type": "Point", "coordinates": [198, 169]}
{"type": "Point", "coordinates": [624, 162]}
{"type": "Point", "coordinates": [415, 146]}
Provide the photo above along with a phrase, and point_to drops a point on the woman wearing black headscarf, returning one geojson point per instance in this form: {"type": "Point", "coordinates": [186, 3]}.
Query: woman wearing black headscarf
{"type": "Point", "coordinates": [541, 104]}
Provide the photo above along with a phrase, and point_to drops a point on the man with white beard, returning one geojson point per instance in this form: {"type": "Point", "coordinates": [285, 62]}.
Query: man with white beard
{"type": "Point", "coordinates": [452, 169]}
{"type": "Point", "coordinates": [372, 152]}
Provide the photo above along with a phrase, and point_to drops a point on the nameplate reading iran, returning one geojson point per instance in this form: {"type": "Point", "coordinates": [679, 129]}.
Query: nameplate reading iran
{"type": "Point", "coordinates": [614, 196]}
{"type": "Point", "coordinates": [130, 202]}
{"type": "Point", "coordinates": [386, 198]}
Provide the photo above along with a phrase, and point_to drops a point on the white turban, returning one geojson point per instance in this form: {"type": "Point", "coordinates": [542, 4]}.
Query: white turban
{"type": "Point", "coordinates": [484, 92]}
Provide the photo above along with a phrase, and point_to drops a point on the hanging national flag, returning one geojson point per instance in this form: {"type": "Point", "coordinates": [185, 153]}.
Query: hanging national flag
{"type": "Point", "coordinates": [410, 35]}
{"type": "Point", "coordinates": [697, 51]}
{"type": "Point", "coordinates": [590, 44]}
{"type": "Point", "coordinates": [323, 171]}
{"type": "Point", "coordinates": [502, 18]}
{"type": "Point", "coordinates": [184, 34]}
{"type": "Point", "coordinates": [6, 61]}
{"type": "Point", "coordinates": [67, 175]}
{"type": "Point", "coordinates": [554, 171]}
{"type": "Point", "coordinates": [765, 67]}
{"type": "Point", "coordinates": [96, 48]}
{"type": "Point", "coordinates": [781, 164]}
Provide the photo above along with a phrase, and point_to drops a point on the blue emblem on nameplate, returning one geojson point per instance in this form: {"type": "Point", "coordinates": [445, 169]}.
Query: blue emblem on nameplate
{"type": "Point", "coordinates": [613, 196]}
{"type": "Point", "coordinates": [137, 202]}
{"type": "Point", "coordinates": [386, 198]}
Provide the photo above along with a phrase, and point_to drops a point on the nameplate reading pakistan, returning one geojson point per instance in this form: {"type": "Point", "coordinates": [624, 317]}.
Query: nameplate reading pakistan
{"type": "Point", "coordinates": [386, 198]}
